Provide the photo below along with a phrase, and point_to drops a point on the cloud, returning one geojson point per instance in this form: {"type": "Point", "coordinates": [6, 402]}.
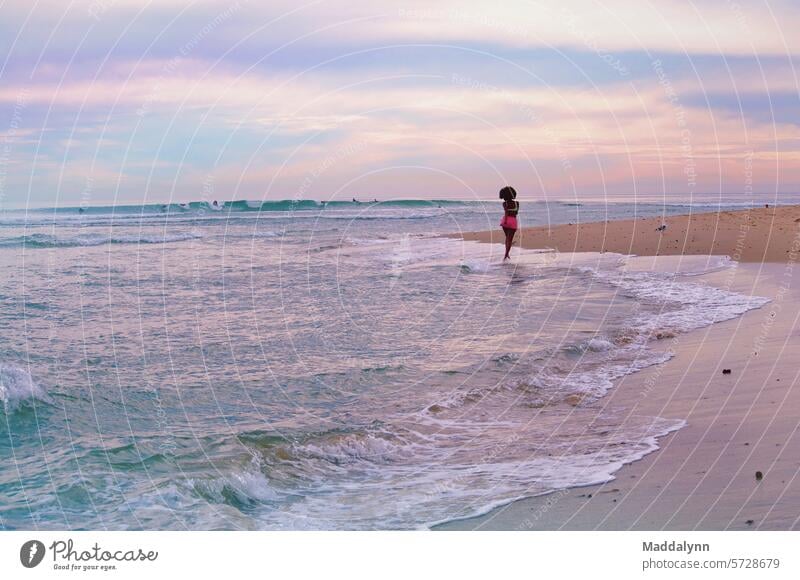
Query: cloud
{"type": "Point", "coordinates": [619, 94]}
{"type": "Point", "coordinates": [206, 29]}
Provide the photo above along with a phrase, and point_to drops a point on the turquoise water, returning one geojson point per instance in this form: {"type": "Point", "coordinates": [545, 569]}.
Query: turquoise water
{"type": "Point", "coordinates": [298, 366]}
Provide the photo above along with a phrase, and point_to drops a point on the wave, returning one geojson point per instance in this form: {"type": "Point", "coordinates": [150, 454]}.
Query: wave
{"type": "Point", "coordinates": [85, 240]}
{"type": "Point", "coordinates": [18, 389]}
{"type": "Point", "coordinates": [558, 383]}
{"type": "Point", "coordinates": [240, 489]}
{"type": "Point", "coordinates": [381, 471]}
{"type": "Point", "coordinates": [244, 205]}
{"type": "Point", "coordinates": [372, 444]}
{"type": "Point", "coordinates": [195, 214]}
{"type": "Point", "coordinates": [199, 212]}
{"type": "Point", "coordinates": [250, 234]}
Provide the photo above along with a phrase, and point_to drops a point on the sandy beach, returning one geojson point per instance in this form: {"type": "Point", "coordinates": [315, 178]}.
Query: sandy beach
{"type": "Point", "coordinates": [735, 464]}
{"type": "Point", "coordinates": [754, 235]}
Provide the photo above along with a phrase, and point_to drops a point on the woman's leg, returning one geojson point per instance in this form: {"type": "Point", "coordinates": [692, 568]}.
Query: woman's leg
{"type": "Point", "coordinates": [509, 240]}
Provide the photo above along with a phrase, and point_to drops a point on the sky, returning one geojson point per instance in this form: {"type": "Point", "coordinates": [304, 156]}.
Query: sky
{"type": "Point", "coordinates": [125, 101]}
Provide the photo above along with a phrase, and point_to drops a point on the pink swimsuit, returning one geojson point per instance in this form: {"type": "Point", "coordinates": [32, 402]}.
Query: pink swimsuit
{"type": "Point", "coordinates": [508, 221]}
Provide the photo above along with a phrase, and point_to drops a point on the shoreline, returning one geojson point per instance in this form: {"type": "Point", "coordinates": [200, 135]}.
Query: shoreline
{"type": "Point", "coordinates": [703, 476]}
{"type": "Point", "coordinates": [763, 234]}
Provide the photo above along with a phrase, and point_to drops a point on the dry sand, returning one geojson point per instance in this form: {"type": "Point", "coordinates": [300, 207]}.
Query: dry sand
{"type": "Point", "coordinates": [748, 421]}
{"type": "Point", "coordinates": [754, 235]}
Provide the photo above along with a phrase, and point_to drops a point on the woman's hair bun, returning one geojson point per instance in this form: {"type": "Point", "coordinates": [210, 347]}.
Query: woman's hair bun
{"type": "Point", "coordinates": [508, 192]}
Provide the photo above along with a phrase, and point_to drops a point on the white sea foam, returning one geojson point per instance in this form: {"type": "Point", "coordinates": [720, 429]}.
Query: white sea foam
{"type": "Point", "coordinates": [678, 265]}
{"type": "Point", "coordinates": [676, 305]}
{"type": "Point", "coordinates": [17, 388]}
{"type": "Point", "coordinates": [594, 464]}
{"type": "Point", "coordinates": [599, 344]}
{"type": "Point", "coordinates": [341, 449]}
{"type": "Point", "coordinates": [439, 478]}
{"type": "Point", "coordinates": [246, 485]}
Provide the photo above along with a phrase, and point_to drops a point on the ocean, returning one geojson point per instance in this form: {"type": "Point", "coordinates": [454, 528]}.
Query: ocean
{"type": "Point", "coordinates": [299, 365]}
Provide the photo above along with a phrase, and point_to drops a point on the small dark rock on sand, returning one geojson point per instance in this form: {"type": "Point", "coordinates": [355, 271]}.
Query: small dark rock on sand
{"type": "Point", "coordinates": [726, 371]}
{"type": "Point", "coordinates": [749, 522]}
{"type": "Point", "coordinates": [759, 475]}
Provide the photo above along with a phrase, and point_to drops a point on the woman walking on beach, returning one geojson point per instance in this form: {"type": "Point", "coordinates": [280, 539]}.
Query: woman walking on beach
{"type": "Point", "coordinates": [509, 221]}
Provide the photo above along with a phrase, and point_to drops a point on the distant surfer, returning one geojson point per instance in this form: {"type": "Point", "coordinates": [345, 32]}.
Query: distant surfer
{"type": "Point", "coordinates": [509, 221]}
{"type": "Point", "coordinates": [355, 200]}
